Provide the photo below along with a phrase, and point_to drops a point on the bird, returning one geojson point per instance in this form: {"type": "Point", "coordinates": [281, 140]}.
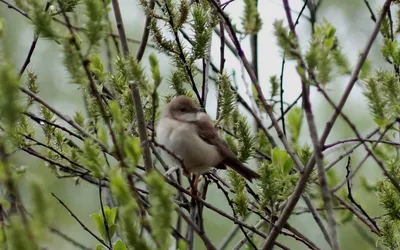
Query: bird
{"type": "Point", "coordinates": [191, 138]}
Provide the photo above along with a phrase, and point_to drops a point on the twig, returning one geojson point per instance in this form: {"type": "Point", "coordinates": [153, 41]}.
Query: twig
{"type": "Point", "coordinates": [356, 213]}
{"type": "Point", "coordinates": [317, 218]}
{"type": "Point", "coordinates": [287, 110]}
{"type": "Point", "coordinates": [231, 235]}
{"type": "Point", "coordinates": [337, 143]}
{"type": "Point", "coordinates": [307, 171]}
{"type": "Point", "coordinates": [146, 31]}
{"type": "Point", "coordinates": [349, 151]}
{"type": "Point", "coordinates": [207, 242]}
{"type": "Point", "coordinates": [191, 229]}
{"type": "Point", "coordinates": [144, 142]}
{"type": "Point", "coordinates": [350, 195]}
{"type": "Point", "coordinates": [249, 234]}
{"type": "Point", "coordinates": [104, 216]}
{"type": "Point", "coordinates": [67, 238]}
{"type": "Point", "coordinates": [80, 223]}
{"type": "Point", "coordinates": [13, 189]}
{"type": "Point", "coordinates": [65, 118]}
{"type": "Point", "coordinates": [370, 10]}
{"type": "Point", "coordinates": [10, 6]}
{"type": "Point", "coordinates": [234, 213]}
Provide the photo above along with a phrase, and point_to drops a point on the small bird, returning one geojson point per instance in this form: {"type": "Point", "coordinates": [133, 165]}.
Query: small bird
{"type": "Point", "coordinates": [188, 132]}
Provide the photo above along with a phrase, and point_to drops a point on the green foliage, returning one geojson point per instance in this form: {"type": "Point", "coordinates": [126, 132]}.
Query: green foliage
{"type": "Point", "coordinates": [97, 67]}
{"type": "Point", "coordinates": [41, 20]}
{"type": "Point", "coordinates": [33, 86]}
{"type": "Point", "coordinates": [176, 82]}
{"type": "Point", "coordinates": [119, 187]}
{"type": "Point", "coordinates": [274, 85]}
{"type": "Point", "coordinates": [388, 198]}
{"type": "Point", "coordinates": [324, 54]}
{"type": "Point", "coordinates": [132, 151]}
{"type": "Point", "coordinates": [92, 158]}
{"type": "Point", "coordinates": [282, 159]}
{"type": "Point", "coordinates": [110, 217]}
{"type": "Point", "coordinates": [227, 97]}
{"type": "Point", "coordinates": [119, 245]}
{"type": "Point", "coordinates": [202, 31]}
{"type": "Point", "coordinates": [95, 25]}
{"type": "Point", "coordinates": [10, 106]}
{"type": "Point", "coordinates": [128, 210]}
{"type": "Point", "coordinates": [275, 186]}
{"type": "Point", "coordinates": [136, 73]}
{"type": "Point", "coordinates": [240, 202]}
{"type": "Point", "coordinates": [295, 121]}
{"type": "Point", "coordinates": [246, 140]}
{"type": "Point", "coordinates": [161, 208]}
{"type": "Point", "coordinates": [155, 70]}
{"type": "Point", "coordinates": [17, 236]}
{"type": "Point", "coordinates": [262, 142]}
{"type": "Point", "coordinates": [286, 40]}
{"type": "Point", "coordinates": [382, 92]}
{"type": "Point", "coordinates": [304, 154]}
{"type": "Point", "coordinates": [183, 13]}
{"type": "Point", "coordinates": [70, 5]}
{"type": "Point", "coordinates": [163, 44]}
{"type": "Point", "coordinates": [251, 20]}
{"type": "Point", "coordinates": [72, 61]}
{"type": "Point", "coordinates": [2, 28]}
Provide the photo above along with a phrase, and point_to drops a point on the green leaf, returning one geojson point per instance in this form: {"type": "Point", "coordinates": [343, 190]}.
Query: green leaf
{"type": "Point", "coordinates": [112, 216]}
{"type": "Point", "coordinates": [2, 27]}
{"type": "Point", "coordinates": [132, 149]}
{"type": "Point", "coordinates": [120, 246]}
{"type": "Point", "coordinates": [99, 247]}
{"type": "Point", "coordinates": [282, 159]}
{"type": "Point", "coordinates": [182, 245]}
{"type": "Point", "coordinates": [382, 123]}
{"type": "Point", "coordinates": [98, 220]}
{"type": "Point", "coordinates": [4, 203]}
{"type": "Point", "coordinates": [112, 229]}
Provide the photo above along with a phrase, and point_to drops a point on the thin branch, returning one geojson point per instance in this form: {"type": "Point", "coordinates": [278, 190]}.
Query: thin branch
{"type": "Point", "coordinates": [80, 222]}
{"type": "Point", "coordinates": [370, 10]}
{"type": "Point", "coordinates": [307, 171]}
{"type": "Point", "coordinates": [317, 218]}
{"type": "Point", "coordinates": [140, 119]}
{"type": "Point", "coordinates": [350, 195]}
{"type": "Point", "coordinates": [349, 151]}
{"type": "Point", "coordinates": [104, 215]}
{"type": "Point", "coordinates": [146, 31]}
{"type": "Point", "coordinates": [65, 118]}
{"type": "Point", "coordinates": [11, 6]}
{"type": "Point", "coordinates": [203, 236]}
{"type": "Point", "coordinates": [67, 238]}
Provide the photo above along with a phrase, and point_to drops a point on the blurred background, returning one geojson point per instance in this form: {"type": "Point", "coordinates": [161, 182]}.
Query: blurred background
{"type": "Point", "coordinates": [354, 25]}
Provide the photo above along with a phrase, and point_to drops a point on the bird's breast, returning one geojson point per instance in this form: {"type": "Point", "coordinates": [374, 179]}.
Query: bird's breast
{"type": "Point", "coordinates": [182, 139]}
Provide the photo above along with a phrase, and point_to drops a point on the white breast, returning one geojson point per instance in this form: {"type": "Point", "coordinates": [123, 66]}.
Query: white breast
{"type": "Point", "coordinates": [182, 139]}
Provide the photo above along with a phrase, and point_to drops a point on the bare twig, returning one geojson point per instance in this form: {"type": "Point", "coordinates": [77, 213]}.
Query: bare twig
{"type": "Point", "coordinates": [146, 31]}
{"type": "Point", "coordinates": [80, 222]}
{"type": "Point", "coordinates": [203, 236]}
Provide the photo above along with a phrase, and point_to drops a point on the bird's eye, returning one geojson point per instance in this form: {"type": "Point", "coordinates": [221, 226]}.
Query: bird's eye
{"type": "Point", "coordinates": [182, 109]}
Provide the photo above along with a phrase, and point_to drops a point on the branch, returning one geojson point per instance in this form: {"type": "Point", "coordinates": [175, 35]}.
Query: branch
{"type": "Point", "coordinates": [140, 119]}
{"type": "Point", "coordinates": [307, 171]}
{"type": "Point", "coordinates": [80, 222]}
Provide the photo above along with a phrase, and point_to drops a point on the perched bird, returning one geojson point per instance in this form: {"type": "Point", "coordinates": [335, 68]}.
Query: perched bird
{"type": "Point", "coordinates": [188, 132]}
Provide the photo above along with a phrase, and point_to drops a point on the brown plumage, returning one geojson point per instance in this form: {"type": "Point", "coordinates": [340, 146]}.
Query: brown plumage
{"type": "Point", "coordinates": [191, 134]}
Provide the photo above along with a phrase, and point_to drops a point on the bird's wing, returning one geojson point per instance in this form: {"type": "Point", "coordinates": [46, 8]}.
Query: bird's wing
{"type": "Point", "coordinates": [209, 134]}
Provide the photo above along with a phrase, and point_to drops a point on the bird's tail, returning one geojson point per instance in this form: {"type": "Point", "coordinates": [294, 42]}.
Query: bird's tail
{"type": "Point", "coordinates": [244, 171]}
